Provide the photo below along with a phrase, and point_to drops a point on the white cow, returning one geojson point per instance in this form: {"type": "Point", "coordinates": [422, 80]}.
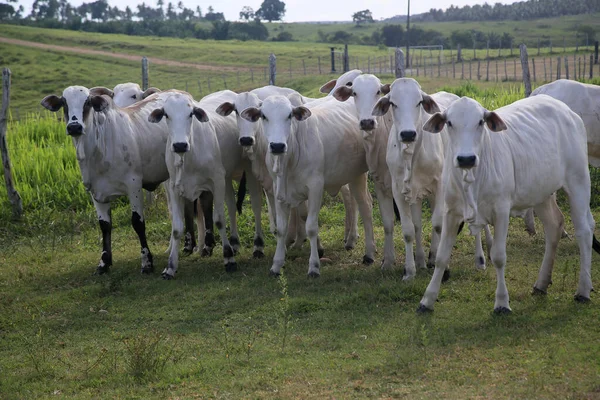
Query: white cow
{"type": "Point", "coordinates": [366, 91]}
{"type": "Point", "coordinates": [510, 160]}
{"type": "Point", "coordinates": [125, 94]}
{"type": "Point", "coordinates": [584, 100]}
{"type": "Point", "coordinates": [308, 155]}
{"type": "Point", "coordinates": [196, 165]}
{"type": "Point", "coordinates": [415, 160]}
{"type": "Point", "coordinates": [119, 152]}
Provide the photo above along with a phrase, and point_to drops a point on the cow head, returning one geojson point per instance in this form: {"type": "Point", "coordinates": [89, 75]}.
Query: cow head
{"type": "Point", "coordinates": [366, 91]}
{"type": "Point", "coordinates": [77, 103]}
{"type": "Point", "coordinates": [466, 121]}
{"type": "Point", "coordinates": [276, 113]}
{"type": "Point", "coordinates": [179, 110]}
{"type": "Point", "coordinates": [247, 129]}
{"type": "Point", "coordinates": [126, 94]}
{"type": "Point", "coordinates": [406, 101]}
{"type": "Point", "coordinates": [345, 79]}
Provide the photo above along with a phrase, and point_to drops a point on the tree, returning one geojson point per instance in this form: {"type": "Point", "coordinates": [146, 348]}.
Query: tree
{"type": "Point", "coordinates": [271, 10]}
{"type": "Point", "coordinates": [361, 17]}
{"type": "Point", "coordinates": [392, 35]}
{"type": "Point", "coordinates": [247, 13]}
{"type": "Point", "coordinates": [211, 15]}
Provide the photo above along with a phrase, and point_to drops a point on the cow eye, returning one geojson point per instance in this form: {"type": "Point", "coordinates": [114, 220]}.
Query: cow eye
{"type": "Point", "coordinates": [378, 92]}
{"type": "Point", "coordinates": [449, 124]}
{"type": "Point", "coordinates": [191, 114]}
{"type": "Point", "coordinates": [236, 112]}
{"type": "Point", "coordinates": [166, 116]}
{"type": "Point", "coordinates": [134, 97]}
{"type": "Point", "coordinates": [481, 123]}
{"type": "Point", "coordinates": [349, 84]}
{"type": "Point", "coordinates": [354, 94]}
{"type": "Point", "coordinates": [290, 116]}
{"type": "Point", "coordinates": [264, 117]}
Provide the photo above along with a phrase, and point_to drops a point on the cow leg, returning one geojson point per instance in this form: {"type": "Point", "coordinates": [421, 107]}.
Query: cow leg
{"type": "Point", "coordinates": [408, 231]}
{"type": "Point", "coordinates": [206, 210]}
{"type": "Point", "coordinates": [489, 240]}
{"type": "Point", "coordinates": [234, 239]}
{"type": "Point", "coordinates": [199, 222]}
{"type": "Point", "coordinates": [498, 253]}
{"type": "Point", "coordinates": [293, 234]}
{"type": "Point", "coordinates": [442, 259]}
{"type": "Point", "coordinates": [553, 222]}
{"type": "Point", "coordinates": [219, 201]}
{"type": "Point", "coordinates": [271, 211]}
{"type": "Point", "coordinates": [189, 242]}
{"type": "Point", "coordinates": [302, 215]}
{"type": "Point", "coordinates": [583, 222]}
{"type": "Point", "coordinates": [386, 208]}
{"type": "Point", "coordinates": [479, 254]}
{"type": "Point", "coordinates": [256, 201]}
{"type": "Point", "coordinates": [529, 222]}
{"type": "Point", "coordinates": [177, 227]}
{"type": "Point", "coordinates": [360, 192]}
{"type": "Point", "coordinates": [315, 197]}
{"type": "Point", "coordinates": [104, 219]}
{"type": "Point", "coordinates": [351, 220]}
{"type": "Point", "coordinates": [282, 211]}
{"type": "Point", "coordinates": [416, 212]}
{"type": "Point", "coordinates": [139, 225]}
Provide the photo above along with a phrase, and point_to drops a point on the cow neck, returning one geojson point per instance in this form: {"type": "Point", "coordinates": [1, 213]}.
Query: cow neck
{"type": "Point", "coordinates": [97, 142]}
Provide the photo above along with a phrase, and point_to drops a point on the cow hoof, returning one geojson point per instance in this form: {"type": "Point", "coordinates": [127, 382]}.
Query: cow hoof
{"type": "Point", "coordinates": [502, 310]}
{"type": "Point", "coordinates": [187, 251]}
{"type": "Point", "coordinates": [422, 309]}
{"type": "Point", "coordinates": [258, 254]}
{"type": "Point", "coordinates": [147, 270]}
{"type": "Point", "coordinates": [480, 263]}
{"type": "Point", "coordinates": [321, 252]}
{"type": "Point", "coordinates": [274, 274]}
{"type": "Point", "coordinates": [430, 265]}
{"type": "Point", "coordinates": [101, 270]}
{"type": "Point", "coordinates": [446, 275]}
{"type": "Point", "coordinates": [538, 292]}
{"type": "Point", "coordinates": [167, 277]}
{"type": "Point", "coordinates": [407, 278]}
{"type": "Point", "coordinates": [206, 252]}
{"type": "Point", "coordinates": [314, 274]}
{"type": "Point", "coordinates": [367, 260]}
{"type": "Point", "coordinates": [231, 266]}
{"type": "Point", "coordinates": [348, 248]}
{"type": "Point", "coordinates": [582, 299]}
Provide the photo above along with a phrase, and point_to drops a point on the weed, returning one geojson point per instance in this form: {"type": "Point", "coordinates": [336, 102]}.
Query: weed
{"type": "Point", "coordinates": [148, 355]}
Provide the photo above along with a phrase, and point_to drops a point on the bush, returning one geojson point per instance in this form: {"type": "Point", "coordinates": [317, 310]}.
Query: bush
{"type": "Point", "coordinates": [283, 37]}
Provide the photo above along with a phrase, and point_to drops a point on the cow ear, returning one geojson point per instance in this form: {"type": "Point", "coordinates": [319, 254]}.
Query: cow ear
{"type": "Point", "coordinates": [150, 91]}
{"type": "Point", "coordinates": [101, 90]}
{"type": "Point", "coordinates": [301, 113]}
{"type": "Point", "coordinates": [100, 103]}
{"type": "Point", "coordinates": [52, 103]}
{"type": "Point", "coordinates": [381, 107]}
{"type": "Point", "coordinates": [429, 104]}
{"type": "Point", "coordinates": [225, 109]}
{"type": "Point", "coordinates": [156, 115]}
{"type": "Point", "coordinates": [343, 93]}
{"type": "Point", "coordinates": [251, 114]}
{"type": "Point", "coordinates": [328, 87]}
{"type": "Point", "coordinates": [200, 114]}
{"type": "Point", "coordinates": [494, 122]}
{"type": "Point", "coordinates": [436, 123]}
{"type": "Point", "coordinates": [385, 89]}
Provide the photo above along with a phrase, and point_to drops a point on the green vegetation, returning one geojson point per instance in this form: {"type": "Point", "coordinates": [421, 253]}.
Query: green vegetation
{"type": "Point", "coordinates": [353, 333]}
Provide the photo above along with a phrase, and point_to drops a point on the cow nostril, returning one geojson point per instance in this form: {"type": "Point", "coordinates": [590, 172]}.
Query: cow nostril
{"type": "Point", "coordinates": [466, 161]}
{"type": "Point", "coordinates": [246, 141]}
{"type": "Point", "coordinates": [367, 124]}
{"type": "Point", "coordinates": [277, 148]}
{"type": "Point", "coordinates": [408, 136]}
{"type": "Point", "coordinates": [180, 147]}
{"type": "Point", "coordinates": [74, 129]}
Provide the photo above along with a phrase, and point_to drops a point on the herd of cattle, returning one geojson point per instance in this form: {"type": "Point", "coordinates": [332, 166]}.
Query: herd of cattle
{"type": "Point", "coordinates": [473, 165]}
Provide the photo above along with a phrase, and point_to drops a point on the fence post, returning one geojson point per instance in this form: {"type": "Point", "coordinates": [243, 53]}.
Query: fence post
{"type": "Point", "coordinates": [332, 59]}
{"type": "Point", "coordinates": [525, 66]}
{"type": "Point", "coordinates": [596, 52]}
{"type": "Point", "coordinates": [13, 196]}
{"type": "Point", "coordinates": [272, 69]}
{"type": "Point", "coordinates": [458, 53]}
{"type": "Point", "coordinates": [346, 59]}
{"type": "Point", "coordinates": [558, 73]}
{"type": "Point", "coordinates": [478, 70]}
{"type": "Point", "coordinates": [144, 73]}
{"type": "Point", "coordinates": [487, 71]}
{"type": "Point", "coordinates": [505, 71]}
{"type": "Point", "coordinates": [545, 75]}
{"type": "Point", "coordinates": [591, 66]}
{"type": "Point", "coordinates": [319, 61]}
{"type": "Point", "coordinates": [399, 72]}
{"type": "Point", "coordinates": [567, 67]}
{"type": "Point", "coordinates": [534, 76]}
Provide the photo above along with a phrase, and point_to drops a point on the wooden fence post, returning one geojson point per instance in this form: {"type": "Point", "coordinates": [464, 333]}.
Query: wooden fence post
{"type": "Point", "coordinates": [558, 72]}
{"type": "Point", "coordinates": [478, 70]}
{"type": "Point", "coordinates": [534, 76]}
{"type": "Point", "coordinates": [346, 59]}
{"type": "Point", "coordinates": [591, 66]}
{"type": "Point", "coordinates": [505, 71]}
{"type": "Point", "coordinates": [13, 196]}
{"type": "Point", "coordinates": [525, 66]}
{"type": "Point", "coordinates": [567, 67]}
{"type": "Point", "coordinates": [144, 73]}
{"type": "Point", "coordinates": [272, 69]}
{"type": "Point", "coordinates": [399, 71]}
{"type": "Point", "coordinates": [545, 75]}
{"type": "Point", "coordinates": [487, 71]}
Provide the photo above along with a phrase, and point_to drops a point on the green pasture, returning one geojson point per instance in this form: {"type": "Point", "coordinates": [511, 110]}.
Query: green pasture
{"type": "Point", "coordinates": [353, 333]}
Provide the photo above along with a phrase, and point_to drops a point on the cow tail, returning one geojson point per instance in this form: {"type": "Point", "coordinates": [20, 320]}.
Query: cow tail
{"type": "Point", "coordinates": [241, 193]}
{"type": "Point", "coordinates": [396, 211]}
{"type": "Point", "coordinates": [596, 245]}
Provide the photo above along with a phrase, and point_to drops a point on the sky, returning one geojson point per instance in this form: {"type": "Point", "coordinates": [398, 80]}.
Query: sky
{"type": "Point", "coordinates": [306, 10]}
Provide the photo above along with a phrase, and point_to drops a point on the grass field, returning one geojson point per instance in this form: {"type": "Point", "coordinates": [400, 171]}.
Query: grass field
{"type": "Point", "coordinates": [353, 333]}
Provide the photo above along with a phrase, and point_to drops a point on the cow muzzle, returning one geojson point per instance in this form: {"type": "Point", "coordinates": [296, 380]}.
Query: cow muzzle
{"type": "Point", "coordinates": [247, 141]}
{"type": "Point", "coordinates": [277, 148]}
{"type": "Point", "coordinates": [74, 129]}
{"type": "Point", "coordinates": [181, 147]}
{"type": "Point", "coordinates": [367, 124]}
{"type": "Point", "coordinates": [408, 136]}
{"type": "Point", "coordinates": [466, 162]}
